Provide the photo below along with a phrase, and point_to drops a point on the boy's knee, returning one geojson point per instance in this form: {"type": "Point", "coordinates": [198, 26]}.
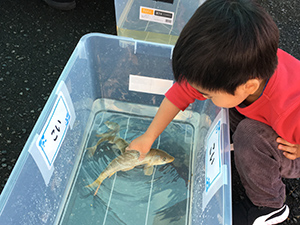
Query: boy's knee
{"type": "Point", "coordinates": [252, 135]}
{"type": "Point", "coordinates": [251, 130]}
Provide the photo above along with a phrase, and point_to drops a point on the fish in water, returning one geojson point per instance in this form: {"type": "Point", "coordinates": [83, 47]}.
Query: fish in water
{"type": "Point", "coordinates": [110, 135]}
{"type": "Point", "coordinates": [130, 159]}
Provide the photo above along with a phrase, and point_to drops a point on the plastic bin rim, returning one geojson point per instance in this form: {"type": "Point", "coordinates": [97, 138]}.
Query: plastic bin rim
{"type": "Point", "coordinates": [111, 36]}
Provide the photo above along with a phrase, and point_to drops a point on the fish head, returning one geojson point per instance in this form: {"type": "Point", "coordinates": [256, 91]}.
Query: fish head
{"type": "Point", "coordinates": [112, 126]}
{"type": "Point", "coordinates": [159, 157]}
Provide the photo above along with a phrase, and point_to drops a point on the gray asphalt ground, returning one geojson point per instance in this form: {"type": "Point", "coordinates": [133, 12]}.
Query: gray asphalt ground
{"type": "Point", "coordinates": [36, 42]}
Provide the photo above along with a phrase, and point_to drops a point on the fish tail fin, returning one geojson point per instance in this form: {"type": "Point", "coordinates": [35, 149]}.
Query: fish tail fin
{"type": "Point", "coordinates": [92, 185]}
{"type": "Point", "coordinates": [96, 183]}
{"type": "Point", "coordinates": [91, 150]}
{"type": "Point", "coordinates": [97, 190]}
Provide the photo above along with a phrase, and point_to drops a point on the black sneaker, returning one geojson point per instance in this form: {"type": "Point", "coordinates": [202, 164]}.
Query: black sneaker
{"type": "Point", "coordinates": [246, 213]}
{"type": "Point", "coordinates": [61, 4]}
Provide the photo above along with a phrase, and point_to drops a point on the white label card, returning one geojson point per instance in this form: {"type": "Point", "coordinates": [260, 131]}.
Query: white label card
{"type": "Point", "coordinates": [149, 84]}
{"type": "Point", "coordinates": [213, 156]}
{"type": "Point", "coordinates": [54, 131]}
{"type": "Point", "coordinates": [156, 15]}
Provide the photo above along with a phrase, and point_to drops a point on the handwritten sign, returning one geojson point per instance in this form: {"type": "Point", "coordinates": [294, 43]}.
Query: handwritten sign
{"type": "Point", "coordinates": [213, 160]}
{"type": "Point", "coordinates": [54, 131]}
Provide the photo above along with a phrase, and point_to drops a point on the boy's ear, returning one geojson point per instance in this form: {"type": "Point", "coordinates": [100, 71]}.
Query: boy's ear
{"type": "Point", "coordinates": [252, 85]}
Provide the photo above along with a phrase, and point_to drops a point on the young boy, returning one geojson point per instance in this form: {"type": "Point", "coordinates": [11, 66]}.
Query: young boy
{"type": "Point", "coordinates": [228, 52]}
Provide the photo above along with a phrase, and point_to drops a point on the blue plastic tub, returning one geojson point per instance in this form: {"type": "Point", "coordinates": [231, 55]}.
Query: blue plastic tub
{"type": "Point", "coordinates": [158, 21]}
{"type": "Point", "coordinates": [110, 78]}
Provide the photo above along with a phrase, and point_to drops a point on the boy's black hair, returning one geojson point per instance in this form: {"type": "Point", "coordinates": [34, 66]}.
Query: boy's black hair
{"type": "Point", "coordinates": [226, 43]}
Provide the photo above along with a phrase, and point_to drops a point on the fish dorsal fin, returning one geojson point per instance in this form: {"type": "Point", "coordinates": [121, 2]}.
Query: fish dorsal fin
{"type": "Point", "coordinates": [148, 170]}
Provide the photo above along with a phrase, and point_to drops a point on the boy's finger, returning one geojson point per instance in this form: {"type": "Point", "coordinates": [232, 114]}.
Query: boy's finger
{"type": "Point", "coordinates": [289, 156]}
{"type": "Point", "coordinates": [281, 147]}
{"type": "Point", "coordinates": [142, 156]}
{"type": "Point", "coordinates": [287, 149]}
{"type": "Point", "coordinates": [283, 142]}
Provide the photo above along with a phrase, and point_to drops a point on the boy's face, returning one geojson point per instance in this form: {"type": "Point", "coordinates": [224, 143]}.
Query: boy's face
{"type": "Point", "coordinates": [224, 99]}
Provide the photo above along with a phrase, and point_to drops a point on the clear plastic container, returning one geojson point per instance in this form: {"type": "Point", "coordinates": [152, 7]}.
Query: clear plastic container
{"type": "Point", "coordinates": [156, 21]}
{"type": "Point", "coordinates": [110, 78]}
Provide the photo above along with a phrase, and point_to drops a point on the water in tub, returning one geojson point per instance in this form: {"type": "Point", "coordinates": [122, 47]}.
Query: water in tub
{"type": "Point", "coordinates": [131, 197]}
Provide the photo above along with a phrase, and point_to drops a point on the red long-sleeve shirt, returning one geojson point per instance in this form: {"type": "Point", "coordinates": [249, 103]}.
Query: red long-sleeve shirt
{"type": "Point", "coordinates": [278, 106]}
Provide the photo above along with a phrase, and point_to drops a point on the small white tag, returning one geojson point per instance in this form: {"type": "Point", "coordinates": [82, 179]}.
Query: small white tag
{"type": "Point", "coordinates": [213, 156]}
{"type": "Point", "coordinates": [156, 15]}
{"type": "Point", "coordinates": [45, 145]}
{"type": "Point", "coordinates": [216, 170]}
{"type": "Point", "coordinates": [149, 84]}
{"type": "Point", "coordinates": [54, 131]}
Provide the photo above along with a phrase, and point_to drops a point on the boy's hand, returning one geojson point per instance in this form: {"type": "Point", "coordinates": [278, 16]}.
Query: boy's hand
{"type": "Point", "coordinates": [165, 114]}
{"type": "Point", "coordinates": [141, 144]}
{"type": "Point", "coordinates": [290, 151]}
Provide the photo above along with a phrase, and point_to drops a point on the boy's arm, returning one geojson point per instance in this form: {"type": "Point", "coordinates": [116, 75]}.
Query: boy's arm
{"type": "Point", "coordinates": [165, 114]}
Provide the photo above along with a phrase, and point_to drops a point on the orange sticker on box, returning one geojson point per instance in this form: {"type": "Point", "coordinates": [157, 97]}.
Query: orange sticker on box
{"type": "Point", "coordinates": [147, 11]}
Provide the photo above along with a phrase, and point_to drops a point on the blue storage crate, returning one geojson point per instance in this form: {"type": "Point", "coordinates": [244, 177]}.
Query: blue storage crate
{"type": "Point", "coordinates": [158, 21]}
{"type": "Point", "coordinates": [121, 80]}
